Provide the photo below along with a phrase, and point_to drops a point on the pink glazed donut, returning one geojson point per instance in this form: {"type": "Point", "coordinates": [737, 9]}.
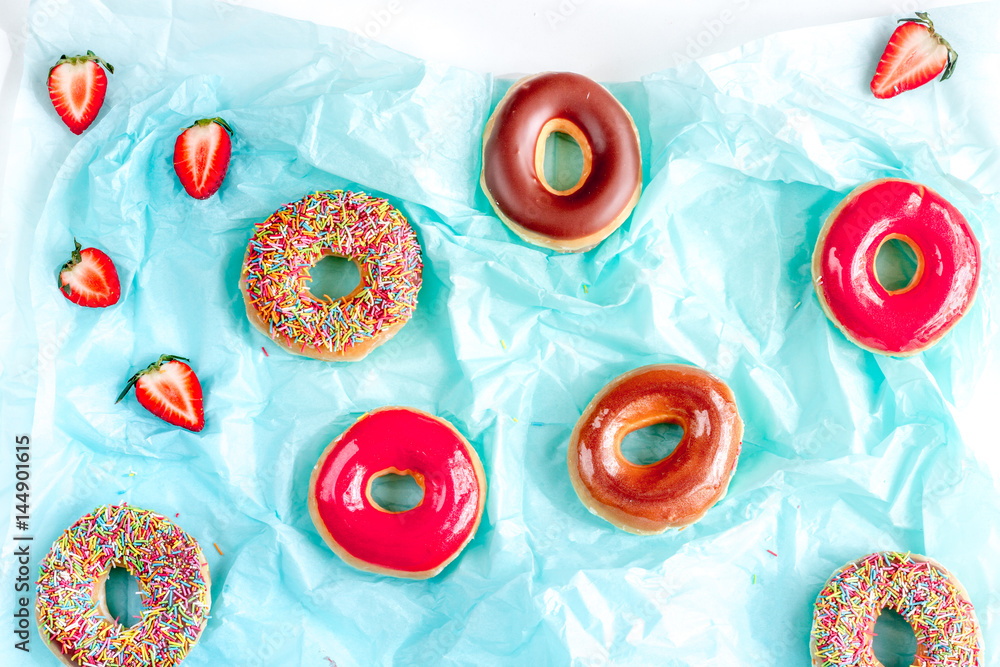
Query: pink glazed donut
{"type": "Point", "coordinates": [909, 320]}
{"type": "Point", "coordinates": [416, 543]}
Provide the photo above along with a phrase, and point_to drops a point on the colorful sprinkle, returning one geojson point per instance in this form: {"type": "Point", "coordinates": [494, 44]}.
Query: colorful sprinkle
{"type": "Point", "coordinates": [264, 350]}
{"type": "Point", "coordinates": [503, 344]}
{"type": "Point", "coordinates": [365, 229]}
{"type": "Point", "coordinates": [215, 544]}
{"type": "Point", "coordinates": [772, 553]}
{"type": "Point", "coordinates": [922, 592]}
{"type": "Point", "coordinates": [168, 566]}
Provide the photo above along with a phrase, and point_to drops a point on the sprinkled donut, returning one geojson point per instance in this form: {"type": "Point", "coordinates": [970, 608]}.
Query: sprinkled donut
{"type": "Point", "coordinates": [356, 226]}
{"type": "Point", "coordinates": [680, 489]}
{"type": "Point", "coordinates": [513, 176]}
{"type": "Point", "coordinates": [417, 543]}
{"type": "Point", "coordinates": [919, 589]}
{"type": "Point", "coordinates": [905, 321]}
{"type": "Point", "coordinates": [174, 584]}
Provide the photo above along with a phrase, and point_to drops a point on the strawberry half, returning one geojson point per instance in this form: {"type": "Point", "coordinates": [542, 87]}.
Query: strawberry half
{"type": "Point", "coordinates": [201, 156]}
{"type": "Point", "coordinates": [76, 87]}
{"type": "Point", "coordinates": [914, 55]}
{"type": "Point", "coordinates": [170, 390]}
{"type": "Point", "coordinates": [89, 278]}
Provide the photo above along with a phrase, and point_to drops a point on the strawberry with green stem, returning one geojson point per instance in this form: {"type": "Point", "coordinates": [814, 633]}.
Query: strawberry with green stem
{"type": "Point", "coordinates": [201, 156]}
{"type": "Point", "coordinates": [170, 390]}
{"type": "Point", "coordinates": [914, 55]}
{"type": "Point", "coordinates": [77, 86]}
{"type": "Point", "coordinates": [89, 278]}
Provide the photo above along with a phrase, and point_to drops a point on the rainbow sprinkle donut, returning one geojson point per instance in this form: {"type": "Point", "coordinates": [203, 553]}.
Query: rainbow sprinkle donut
{"type": "Point", "coordinates": [357, 226]}
{"type": "Point", "coordinates": [72, 612]}
{"type": "Point", "coordinates": [919, 589]}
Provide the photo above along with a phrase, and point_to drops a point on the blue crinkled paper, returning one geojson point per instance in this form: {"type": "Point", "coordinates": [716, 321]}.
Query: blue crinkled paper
{"type": "Point", "coordinates": [745, 154]}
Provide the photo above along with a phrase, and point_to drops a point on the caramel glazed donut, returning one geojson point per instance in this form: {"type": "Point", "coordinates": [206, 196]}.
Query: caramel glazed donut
{"type": "Point", "coordinates": [365, 229]}
{"type": "Point", "coordinates": [513, 176]}
{"type": "Point", "coordinates": [919, 589]}
{"type": "Point", "coordinates": [680, 489]}
{"type": "Point", "coordinates": [71, 608]}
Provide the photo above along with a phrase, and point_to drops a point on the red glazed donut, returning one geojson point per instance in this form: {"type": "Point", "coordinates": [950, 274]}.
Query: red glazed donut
{"type": "Point", "coordinates": [416, 543]}
{"type": "Point", "coordinates": [909, 320]}
{"type": "Point", "coordinates": [680, 489]}
{"type": "Point", "coordinates": [513, 175]}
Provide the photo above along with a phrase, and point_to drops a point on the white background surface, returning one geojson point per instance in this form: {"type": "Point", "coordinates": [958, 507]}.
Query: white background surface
{"type": "Point", "coordinates": [607, 40]}
{"type": "Point", "coordinates": [610, 41]}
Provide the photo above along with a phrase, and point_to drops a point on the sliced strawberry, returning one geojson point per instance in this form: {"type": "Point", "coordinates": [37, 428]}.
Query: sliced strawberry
{"type": "Point", "coordinates": [170, 390]}
{"type": "Point", "coordinates": [914, 55]}
{"type": "Point", "coordinates": [89, 278]}
{"type": "Point", "coordinates": [201, 156]}
{"type": "Point", "coordinates": [77, 86]}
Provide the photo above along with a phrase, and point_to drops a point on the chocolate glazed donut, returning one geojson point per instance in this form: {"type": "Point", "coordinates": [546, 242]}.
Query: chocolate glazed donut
{"type": "Point", "coordinates": [513, 175]}
{"type": "Point", "coordinates": [680, 489]}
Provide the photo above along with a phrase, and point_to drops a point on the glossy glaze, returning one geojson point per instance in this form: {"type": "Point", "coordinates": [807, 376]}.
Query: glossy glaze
{"type": "Point", "coordinates": [509, 155]}
{"type": "Point", "coordinates": [679, 489]}
{"type": "Point", "coordinates": [909, 320]}
{"type": "Point", "coordinates": [402, 441]}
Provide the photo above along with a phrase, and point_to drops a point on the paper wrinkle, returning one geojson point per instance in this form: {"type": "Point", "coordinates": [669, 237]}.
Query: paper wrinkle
{"type": "Point", "coordinates": [745, 153]}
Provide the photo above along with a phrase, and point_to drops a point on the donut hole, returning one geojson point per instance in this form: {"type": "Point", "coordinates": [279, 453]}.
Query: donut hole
{"type": "Point", "coordinates": [333, 277]}
{"type": "Point", "coordinates": [651, 444]}
{"type": "Point", "coordinates": [562, 157]}
{"type": "Point", "coordinates": [563, 163]}
{"type": "Point", "coordinates": [894, 644]}
{"type": "Point", "coordinates": [898, 264]}
{"type": "Point", "coordinates": [396, 491]}
{"type": "Point", "coordinates": [121, 594]}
